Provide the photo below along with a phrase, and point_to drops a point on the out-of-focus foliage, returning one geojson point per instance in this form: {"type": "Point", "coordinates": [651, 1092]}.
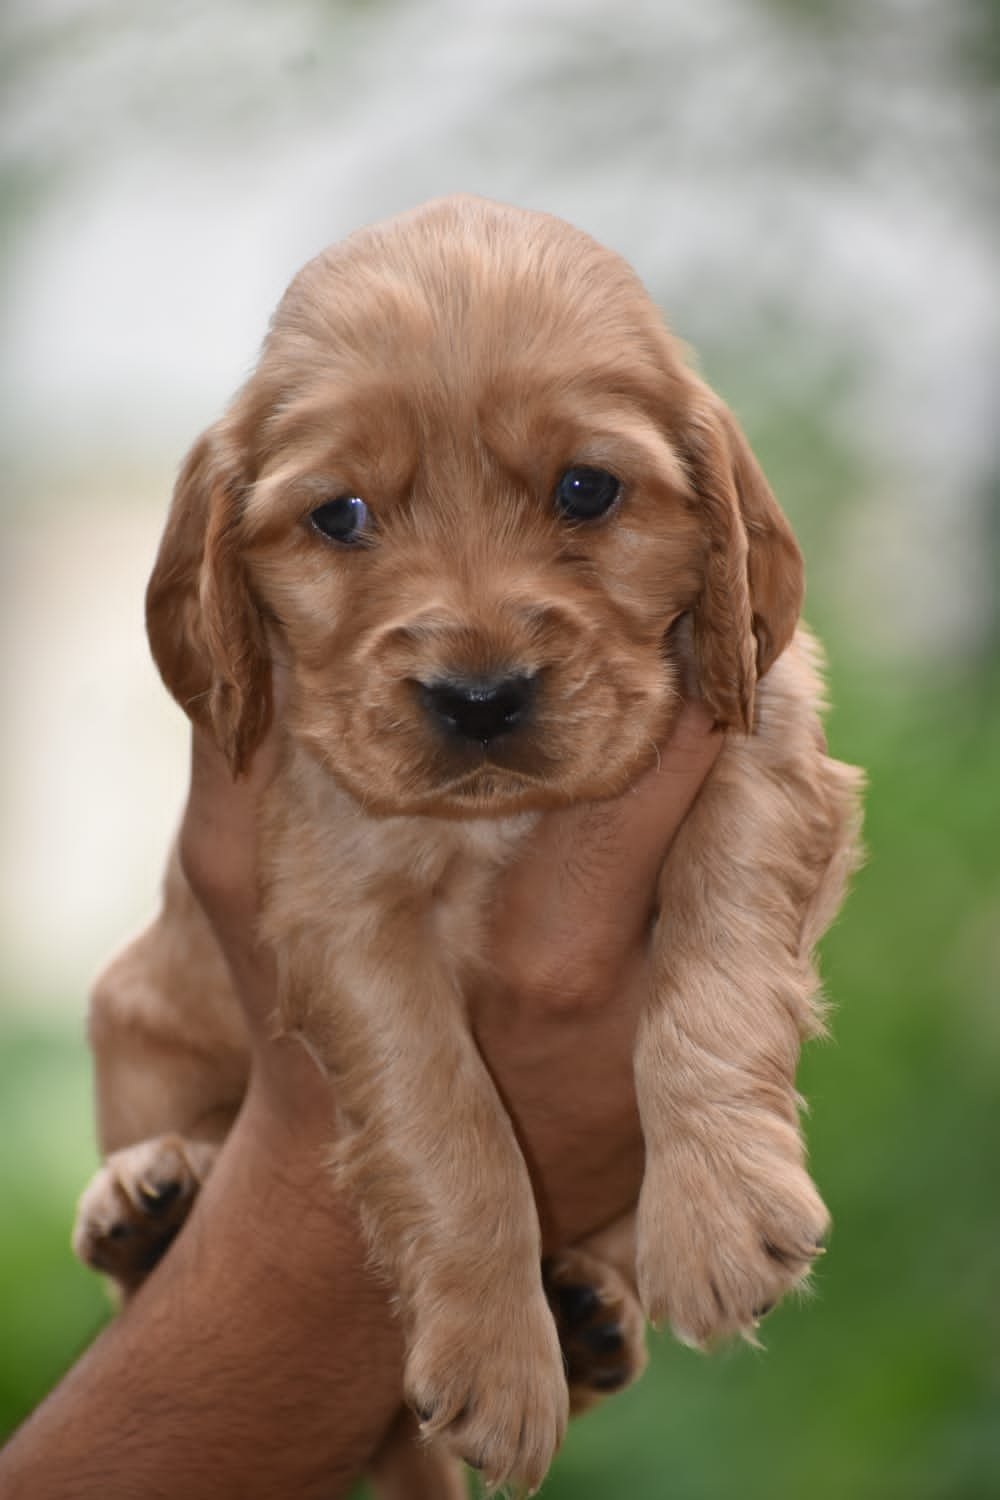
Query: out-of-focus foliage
{"type": "Point", "coordinates": [49, 1306]}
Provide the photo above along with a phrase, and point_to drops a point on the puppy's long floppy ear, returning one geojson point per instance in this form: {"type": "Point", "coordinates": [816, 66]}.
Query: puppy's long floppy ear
{"type": "Point", "coordinates": [753, 585]}
{"type": "Point", "coordinates": [205, 631]}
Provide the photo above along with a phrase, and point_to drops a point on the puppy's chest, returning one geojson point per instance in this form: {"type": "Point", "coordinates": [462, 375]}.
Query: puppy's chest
{"type": "Point", "coordinates": [397, 890]}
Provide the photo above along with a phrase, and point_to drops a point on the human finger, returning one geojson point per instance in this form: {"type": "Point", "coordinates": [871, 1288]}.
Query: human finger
{"type": "Point", "coordinates": [581, 896]}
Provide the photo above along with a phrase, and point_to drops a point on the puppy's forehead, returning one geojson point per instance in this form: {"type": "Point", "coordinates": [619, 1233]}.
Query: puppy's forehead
{"type": "Point", "coordinates": [463, 303]}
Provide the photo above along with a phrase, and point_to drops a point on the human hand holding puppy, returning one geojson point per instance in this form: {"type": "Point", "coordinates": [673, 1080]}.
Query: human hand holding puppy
{"type": "Point", "coordinates": [557, 1027]}
{"type": "Point", "coordinates": [557, 1022]}
{"type": "Point", "coordinates": [261, 1358]}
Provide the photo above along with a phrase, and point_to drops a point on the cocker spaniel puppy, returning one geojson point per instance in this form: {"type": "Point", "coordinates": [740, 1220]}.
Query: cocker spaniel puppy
{"type": "Point", "coordinates": [495, 523]}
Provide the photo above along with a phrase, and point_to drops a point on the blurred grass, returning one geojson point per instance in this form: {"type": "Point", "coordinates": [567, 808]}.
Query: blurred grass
{"type": "Point", "coordinates": [887, 1383]}
{"type": "Point", "coordinates": [50, 1307]}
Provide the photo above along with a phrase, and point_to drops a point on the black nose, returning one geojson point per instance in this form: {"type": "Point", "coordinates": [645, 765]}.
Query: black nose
{"type": "Point", "coordinates": [482, 709]}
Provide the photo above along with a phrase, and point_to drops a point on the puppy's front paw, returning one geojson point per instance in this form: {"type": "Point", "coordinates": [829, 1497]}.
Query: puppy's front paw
{"type": "Point", "coordinates": [600, 1324]}
{"type": "Point", "coordinates": [136, 1203]}
{"type": "Point", "coordinates": [721, 1240]}
{"type": "Point", "coordinates": [488, 1379]}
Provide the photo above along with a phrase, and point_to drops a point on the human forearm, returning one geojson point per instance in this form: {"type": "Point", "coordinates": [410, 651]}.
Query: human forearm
{"type": "Point", "coordinates": [258, 1360]}
{"type": "Point", "coordinates": [571, 942]}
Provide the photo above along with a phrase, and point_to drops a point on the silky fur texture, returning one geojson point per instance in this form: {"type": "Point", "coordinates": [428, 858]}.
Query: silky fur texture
{"type": "Point", "coordinates": [448, 366]}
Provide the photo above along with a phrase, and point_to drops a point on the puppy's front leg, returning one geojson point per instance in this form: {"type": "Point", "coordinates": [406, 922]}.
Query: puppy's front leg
{"type": "Point", "coordinates": [429, 1155]}
{"type": "Point", "coordinates": [729, 1218]}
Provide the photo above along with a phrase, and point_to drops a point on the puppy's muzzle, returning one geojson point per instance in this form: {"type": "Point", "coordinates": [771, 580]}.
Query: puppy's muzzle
{"type": "Point", "coordinates": [481, 710]}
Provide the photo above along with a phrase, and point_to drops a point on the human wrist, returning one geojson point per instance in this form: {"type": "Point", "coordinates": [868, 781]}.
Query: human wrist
{"type": "Point", "coordinates": [259, 1358]}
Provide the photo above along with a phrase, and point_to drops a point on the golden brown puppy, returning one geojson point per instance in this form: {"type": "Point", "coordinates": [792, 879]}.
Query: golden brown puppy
{"type": "Point", "coordinates": [495, 524]}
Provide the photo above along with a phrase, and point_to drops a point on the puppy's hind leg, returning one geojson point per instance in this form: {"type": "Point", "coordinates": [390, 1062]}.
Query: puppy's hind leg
{"type": "Point", "coordinates": [135, 1204]}
{"type": "Point", "coordinates": [592, 1294]}
{"type": "Point", "coordinates": [171, 1062]}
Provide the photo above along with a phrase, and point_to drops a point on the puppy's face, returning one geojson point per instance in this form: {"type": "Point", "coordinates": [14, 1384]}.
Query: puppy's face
{"type": "Point", "coordinates": [471, 488]}
{"type": "Point", "coordinates": [474, 579]}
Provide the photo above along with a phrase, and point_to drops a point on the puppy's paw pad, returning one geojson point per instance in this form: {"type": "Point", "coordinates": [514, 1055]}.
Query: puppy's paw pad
{"type": "Point", "coordinates": [136, 1203]}
{"type": "Point", "coordinates": [600, 1325]}
{"type": "Point", "coordinates": [493, 1389]}
{"type": "Point", "coordinates": [713, 1262]}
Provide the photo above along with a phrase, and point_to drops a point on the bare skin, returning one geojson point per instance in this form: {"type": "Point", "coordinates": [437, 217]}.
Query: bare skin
{"type": "Point", "coordinates": [260, 1358]}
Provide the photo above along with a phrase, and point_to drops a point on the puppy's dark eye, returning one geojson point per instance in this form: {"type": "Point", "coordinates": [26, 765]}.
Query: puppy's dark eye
{"type": "Point", "coordinates": [345, 519]}
{"type": "Point", "coordinates": [584, 494]}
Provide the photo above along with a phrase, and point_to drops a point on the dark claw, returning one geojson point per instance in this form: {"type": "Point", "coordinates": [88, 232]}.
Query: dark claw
{"type": "Point", "coordinates": [763, 1310]}
{"type": "Point", "coordinates": [158, 1196]}
{"type": "Point", "coordinates": [423, 1413]}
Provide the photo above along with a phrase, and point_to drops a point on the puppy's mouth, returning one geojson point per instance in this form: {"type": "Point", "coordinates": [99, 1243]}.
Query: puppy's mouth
{"type": "Point", "coordinates": [489, 793]}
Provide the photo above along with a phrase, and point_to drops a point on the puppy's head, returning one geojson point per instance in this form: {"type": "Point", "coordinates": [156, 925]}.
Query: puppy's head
{"type": "Point", "coordinates": [470, 487]}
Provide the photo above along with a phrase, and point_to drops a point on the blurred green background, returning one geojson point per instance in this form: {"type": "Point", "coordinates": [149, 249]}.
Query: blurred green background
{"type": "Point", "coordinates": [809, 188]}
